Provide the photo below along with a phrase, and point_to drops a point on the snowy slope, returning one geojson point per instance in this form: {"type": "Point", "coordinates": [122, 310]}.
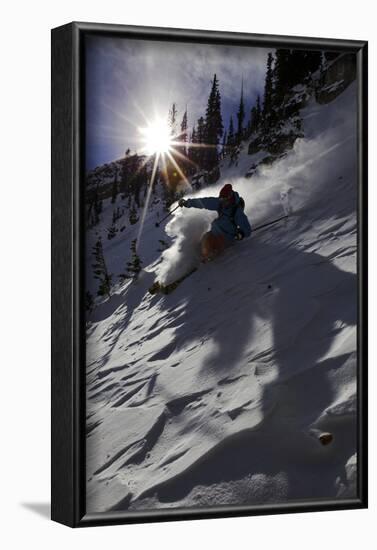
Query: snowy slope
{"type": "Point", "coordinates": [216, 393]}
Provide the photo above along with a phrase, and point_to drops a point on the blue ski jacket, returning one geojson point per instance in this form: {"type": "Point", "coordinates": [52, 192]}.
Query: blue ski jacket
{"type": "Point", "coordinates": [229, 221]}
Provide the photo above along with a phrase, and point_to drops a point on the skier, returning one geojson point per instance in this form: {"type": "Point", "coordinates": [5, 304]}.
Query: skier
{"type": "Point", "coordinates": [230, 225]}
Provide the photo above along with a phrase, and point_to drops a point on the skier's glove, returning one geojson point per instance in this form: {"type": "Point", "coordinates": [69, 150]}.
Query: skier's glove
{"type": "Point", "coordinates": [240, 235]}
{"type": "Point", "coordinates": [181, 202]}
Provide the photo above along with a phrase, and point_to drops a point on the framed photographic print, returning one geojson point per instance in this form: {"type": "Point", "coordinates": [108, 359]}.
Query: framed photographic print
{"type": "Point", "coordinates": [209, 272]}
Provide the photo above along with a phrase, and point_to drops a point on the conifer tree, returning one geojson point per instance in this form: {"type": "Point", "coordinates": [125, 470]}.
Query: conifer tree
{"type": "Point", "coordinates": [172, 120]}
{"type": "Point", "coordinates": [252, 124]}
{"type": "Point", "coordinates": [129, 166]}
{"type": "Point", "coordinates": [281, 75]}
{"type": "Point", "coordinates": [255, 117]}
{"type": "Point", "coordinates": [192, 150]}
{"type": "Point", "coordinates": [213, 125]}
{"type": "Point", "coordinates": [201, 130]}
{"type": "Point", "coordinates": [300, 64]}
{"type": "Point", "coordinates": [117, 214]}
{"type": "Point", "coordinates": [133, 215]}
{"type": "Point", "coordinates": [183, 137]}
{"type": "Point", "coordinates": [224, 144]}
{"type": "Point", "coordinates": [100, 270]}
{"type": "Point", "coordinates": [134, 266]}
{"type": "Point", "coordinates": [96, 207]}
{"type": "Point", "coordinates": [240, 118]}
{"type": "Point", "coordinates": [169, 196]}
{"type": "Point", "coordinates": [258, 113]}
{"type": "Point", "coordinates": [268, 91]}
{"type": "Point", "coordinates": [230, 141]}
{"type": "Point", "coordinates": [200, 140]}
{"type": "Point", "coordinates": [114, 189]}
{"type": "Point", "coordinates": [172, 174]}
{"type": "Point", "coordinates": [112, 230]}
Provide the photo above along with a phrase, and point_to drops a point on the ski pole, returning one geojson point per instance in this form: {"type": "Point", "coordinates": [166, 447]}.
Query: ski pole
{"type": "Point", "coordinates": [270, 223]}
{"type": "Point", "coordinates": [157, 224]}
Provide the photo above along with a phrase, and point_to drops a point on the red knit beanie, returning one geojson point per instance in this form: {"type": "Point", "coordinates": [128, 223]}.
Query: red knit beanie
{"type": "Point", "coordinates": [226, 192]}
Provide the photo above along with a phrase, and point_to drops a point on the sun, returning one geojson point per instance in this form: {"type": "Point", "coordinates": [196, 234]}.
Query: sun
{"type": "Point", "coordinates": [157, 137]}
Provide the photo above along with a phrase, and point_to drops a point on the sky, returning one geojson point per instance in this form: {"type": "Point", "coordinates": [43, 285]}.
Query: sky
{"type": "Point", "coordinates": [130, 82]}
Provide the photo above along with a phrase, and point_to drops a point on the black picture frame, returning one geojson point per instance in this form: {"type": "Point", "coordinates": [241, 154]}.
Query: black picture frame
{"type": "Point", "coordinates": [68, 315]}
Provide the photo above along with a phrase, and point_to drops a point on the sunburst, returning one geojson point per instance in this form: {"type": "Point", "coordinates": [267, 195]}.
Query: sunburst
{"type": "Point", "coordinates": [156, 137]}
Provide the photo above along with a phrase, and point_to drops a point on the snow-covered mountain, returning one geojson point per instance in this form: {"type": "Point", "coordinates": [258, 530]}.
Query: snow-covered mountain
{"type": "Point", "coordinates": [216, 393]}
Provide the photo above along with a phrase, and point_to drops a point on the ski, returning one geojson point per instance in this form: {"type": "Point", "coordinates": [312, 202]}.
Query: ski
{"type": "Point", "coordinates": [160, 288]}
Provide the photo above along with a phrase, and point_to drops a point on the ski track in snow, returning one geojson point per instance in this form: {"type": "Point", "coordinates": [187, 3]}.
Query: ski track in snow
{"type": "Point", "coordinates": [214, 394]}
